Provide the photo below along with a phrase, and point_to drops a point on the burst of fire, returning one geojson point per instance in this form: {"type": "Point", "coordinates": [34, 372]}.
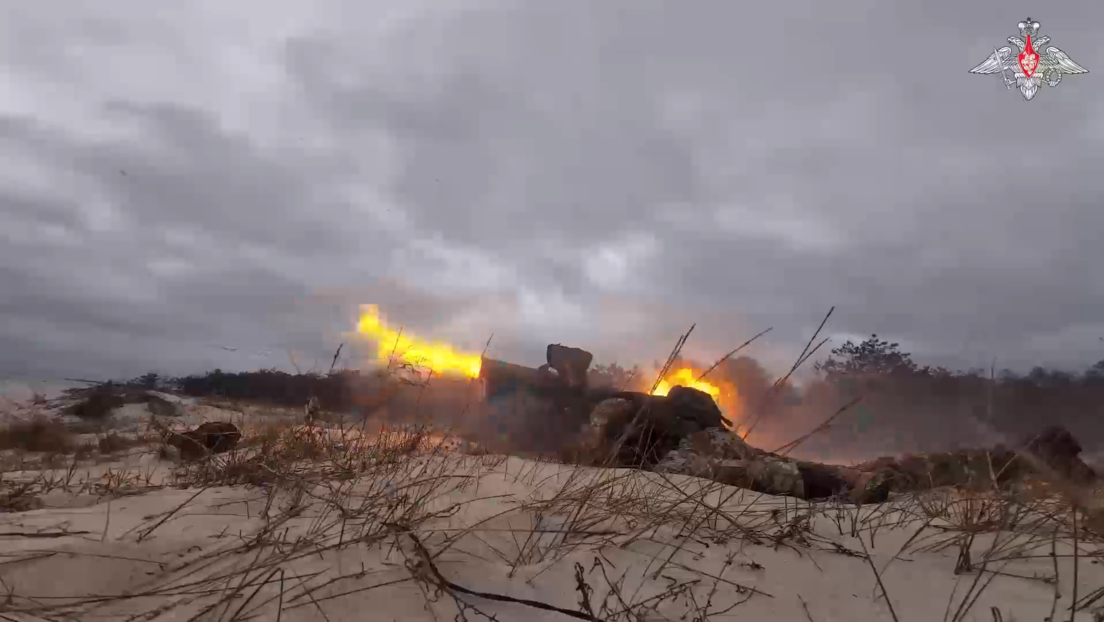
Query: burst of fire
{"type": "Point", "coordinates": [687, 378]}
{"type": "Point", "coordinates": [723, 393]}
{"type": "Point", "coordinates": [440, 357]}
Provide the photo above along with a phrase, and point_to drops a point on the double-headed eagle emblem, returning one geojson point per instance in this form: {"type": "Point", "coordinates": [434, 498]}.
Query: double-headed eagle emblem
{"type": "Point", "coordinates": [1029, 69]}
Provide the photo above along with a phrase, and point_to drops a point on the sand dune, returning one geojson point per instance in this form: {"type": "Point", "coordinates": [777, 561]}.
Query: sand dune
{"type": "Point", "coordinates": [352, 549]}
{"type": "Point", "coordinates": [397, 524]}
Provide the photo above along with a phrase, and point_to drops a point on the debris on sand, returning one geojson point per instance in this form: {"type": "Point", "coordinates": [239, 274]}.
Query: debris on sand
{"type": "Point", "coordinates": [208, 438]}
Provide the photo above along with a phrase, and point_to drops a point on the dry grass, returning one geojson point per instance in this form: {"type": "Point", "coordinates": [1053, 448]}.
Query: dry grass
{"type": "Point", "coordinates": [361, 489]}
{"type": "Point", "coordinates": [97, 406]}
{"type": "Point", "coordinates": [113, 442]}
{"type": "Point", "coordinates": [38, 434]}
{"type": "Point", "coordinates": [325, 491]}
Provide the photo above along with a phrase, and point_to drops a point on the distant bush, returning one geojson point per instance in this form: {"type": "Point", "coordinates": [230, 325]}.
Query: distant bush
{"type": "Point", "coordinates": [874, 356]}
{"type": "Point", "coordinates": [910, 407]}
{"type": "Point", "coordinates": [98, 404]}
{"type": "Point", "coordinates": [334, 391]}
{"type": "Point", "coordinates": [38, 434]}
{"type": "Point", "coordinates": [112, 442]}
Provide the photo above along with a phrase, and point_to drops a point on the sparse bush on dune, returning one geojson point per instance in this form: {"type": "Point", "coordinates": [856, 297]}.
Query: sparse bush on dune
{"type": "Point", "coordinates": [38, 434]}
{"type": "Point", "coordinates": [113, 442]}
{"type": "Point", "coordinates": [98, 404]}
{"type": "Point", "coordinates": [337, 391]}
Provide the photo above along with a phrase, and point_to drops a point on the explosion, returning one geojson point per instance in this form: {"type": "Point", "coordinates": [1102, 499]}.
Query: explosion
{"type": "Point", "coordinates": [441, 358]}
{"type": "Point", "coordinates": [724, 394]}
{"type": "Point", "coordinates": [687, 378]}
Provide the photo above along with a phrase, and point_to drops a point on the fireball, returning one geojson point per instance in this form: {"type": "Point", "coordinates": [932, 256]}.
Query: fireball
{"type": "Point", "coordinates": [723, 393]}
{"type": "Point", "coordinates": [402, 346]}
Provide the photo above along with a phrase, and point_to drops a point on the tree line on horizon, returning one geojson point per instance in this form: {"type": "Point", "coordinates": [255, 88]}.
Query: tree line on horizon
{"type": "Point", "coordinates": [904, 406]}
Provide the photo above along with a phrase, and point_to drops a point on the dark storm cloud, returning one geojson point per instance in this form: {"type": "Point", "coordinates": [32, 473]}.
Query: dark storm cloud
{"type": "Point", "coordinates": [601, 173]}
{"type": "Point", "coordinates": [212, 246]}
{"type": "Point", "coordinates": [860, 162]}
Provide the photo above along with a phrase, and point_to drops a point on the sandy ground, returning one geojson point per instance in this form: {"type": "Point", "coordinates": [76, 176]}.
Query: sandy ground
{"type": "Point", "coordinates": [361, 534]}
{"type": "Point", "coordinates": [274, 553]}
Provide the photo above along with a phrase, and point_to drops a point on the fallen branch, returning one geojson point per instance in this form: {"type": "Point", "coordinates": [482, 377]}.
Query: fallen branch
{"type": "Point", "coordinates": [52, 534]}
{"type": "Point", "coordinates": [434, 576]}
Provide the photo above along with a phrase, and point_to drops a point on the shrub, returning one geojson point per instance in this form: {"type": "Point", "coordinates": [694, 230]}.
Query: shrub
{"type": "Point", "coordinates": [98, 405]}
{"type": "Point", "coordinates": [113, 442]}
{"type": "Point", "coordinates": [38, 434]}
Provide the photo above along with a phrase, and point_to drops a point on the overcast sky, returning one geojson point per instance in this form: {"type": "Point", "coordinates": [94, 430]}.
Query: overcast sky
{"type": "Point", "coordinates": [180, 178]}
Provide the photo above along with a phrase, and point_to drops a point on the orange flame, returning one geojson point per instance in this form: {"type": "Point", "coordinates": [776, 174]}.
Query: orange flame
{"type": "Point", "coordinates": [687, 378]}
{"type": "Point", "coordinates": [723, 393]}
{"type": "Point", "coordinates": [441, 358]}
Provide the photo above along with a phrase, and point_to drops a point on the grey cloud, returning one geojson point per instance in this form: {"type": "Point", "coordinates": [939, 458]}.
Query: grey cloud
{"type": "Point", "coordinates": [204, 208]}
{"type": "Point", "coordinates": [495, 169]}
{"type": "Point", "coordinates": [959, 220]}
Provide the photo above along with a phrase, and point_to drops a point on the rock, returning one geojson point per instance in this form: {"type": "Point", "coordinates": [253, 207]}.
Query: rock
{"type": "Point", "coordinates": [162, 407]}
{"type": "Point", "coordinates": [208, 438]}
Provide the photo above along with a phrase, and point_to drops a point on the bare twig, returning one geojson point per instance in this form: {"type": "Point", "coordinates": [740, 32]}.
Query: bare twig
{"type": "Point", "coordinates": [336, 355]}
{"type": "Point", "coordinates": [790, 446]}
{"type": "Point", "coordinates": [441, 582]}
{"type": "Point", "coordinates": [806, 353]}
{"type": "Point", "coordinates": [733, 353]}
{"type": "Point", "coordinates": [878, 576]}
